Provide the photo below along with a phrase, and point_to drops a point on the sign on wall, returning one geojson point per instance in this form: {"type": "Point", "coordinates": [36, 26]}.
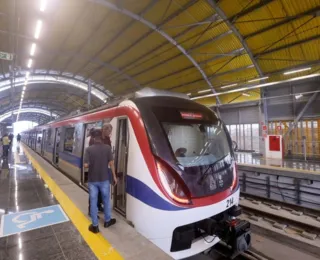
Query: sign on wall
{"type": "Point", "coordinates": [6, 56]}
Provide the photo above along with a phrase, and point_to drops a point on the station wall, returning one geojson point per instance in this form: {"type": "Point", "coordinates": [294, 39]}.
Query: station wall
{"type": "Point", "coordinates": [283, 105]}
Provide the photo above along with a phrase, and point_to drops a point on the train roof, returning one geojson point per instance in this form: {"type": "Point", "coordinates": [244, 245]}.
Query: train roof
{"type": "Point", "coordinates": [144, 96]}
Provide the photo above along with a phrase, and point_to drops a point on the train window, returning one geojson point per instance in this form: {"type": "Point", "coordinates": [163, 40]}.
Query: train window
{"type": "Point", "coordinates": [69, 140]}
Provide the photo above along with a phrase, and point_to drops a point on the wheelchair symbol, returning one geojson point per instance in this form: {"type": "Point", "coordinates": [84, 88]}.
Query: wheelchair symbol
{"type": "Point", "coordinates": [33, 216]}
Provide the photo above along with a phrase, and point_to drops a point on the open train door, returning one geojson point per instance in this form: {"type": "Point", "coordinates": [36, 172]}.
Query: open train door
{"type": "Point", "coordinates": [121, 161]}
{"type": "Point", "coordinates": [55, 154]}
{"type": "Point", "coordinates": [43, 142]}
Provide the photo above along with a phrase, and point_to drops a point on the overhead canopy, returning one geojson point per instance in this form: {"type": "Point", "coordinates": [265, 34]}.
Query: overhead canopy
{"type": "Point", "coordinates": [180, 45]}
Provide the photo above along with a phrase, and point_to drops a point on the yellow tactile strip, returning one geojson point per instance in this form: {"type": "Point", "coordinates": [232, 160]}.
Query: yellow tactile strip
{"type": "Point", "coordinates": [98, 244]}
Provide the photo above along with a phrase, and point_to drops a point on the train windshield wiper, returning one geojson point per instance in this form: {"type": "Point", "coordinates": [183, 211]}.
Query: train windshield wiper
{"type": "Point", "coordinates": [206, 173]}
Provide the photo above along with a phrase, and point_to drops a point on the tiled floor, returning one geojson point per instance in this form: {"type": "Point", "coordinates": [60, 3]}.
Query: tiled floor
{"type": "Point", "coordinates": [21, 188]}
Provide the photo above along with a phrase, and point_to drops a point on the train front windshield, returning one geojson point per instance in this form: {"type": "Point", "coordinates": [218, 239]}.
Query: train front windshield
{"type": "Point", "coordinates": [192, 140]}
{"type": "Point", "coordinates": [203, 153]}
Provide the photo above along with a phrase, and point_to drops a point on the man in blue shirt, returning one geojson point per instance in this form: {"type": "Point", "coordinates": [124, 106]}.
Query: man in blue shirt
{"type": "Point", "coordinates": [98, 158]}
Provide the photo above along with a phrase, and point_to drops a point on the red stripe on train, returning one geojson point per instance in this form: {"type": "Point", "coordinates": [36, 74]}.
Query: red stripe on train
{"type": "Point", "coordinates": [143, 141]}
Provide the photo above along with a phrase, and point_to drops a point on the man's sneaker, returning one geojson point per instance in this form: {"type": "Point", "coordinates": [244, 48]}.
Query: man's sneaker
{"type": "Point", "coordinates": [94, 229]}
{"type": "Point", "coordinates": [110, 223]}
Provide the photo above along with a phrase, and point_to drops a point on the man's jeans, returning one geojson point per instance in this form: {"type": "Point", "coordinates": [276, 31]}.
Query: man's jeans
{"type": "Point", "coordinates": [6, 150]}
{"type": "Point", "coordinates": [104, 188]}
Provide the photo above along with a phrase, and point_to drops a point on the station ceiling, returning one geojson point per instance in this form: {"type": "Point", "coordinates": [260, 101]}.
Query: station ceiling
{"type": "Point", "coordinates": [180, 45]}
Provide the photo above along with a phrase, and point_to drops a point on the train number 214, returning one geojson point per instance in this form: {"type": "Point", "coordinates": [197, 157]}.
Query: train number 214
{"type": "Point", "coordinates": [230, 202]}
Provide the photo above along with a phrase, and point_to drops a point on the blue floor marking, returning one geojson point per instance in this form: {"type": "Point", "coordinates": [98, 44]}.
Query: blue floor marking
{"type": "Point", "coordinates": [31, 219]}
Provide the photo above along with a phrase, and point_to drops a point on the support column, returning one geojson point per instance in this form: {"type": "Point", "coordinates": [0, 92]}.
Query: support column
{"type": "Point", "coordinates": [89, 94]}
{"type": "Point", "coordinates": [263, 119]}
{"type": "Point", "coordinates": [303, 110]}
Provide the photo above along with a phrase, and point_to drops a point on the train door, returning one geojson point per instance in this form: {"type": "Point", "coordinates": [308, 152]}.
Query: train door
{"type": "Point", "coordinates": [44, 137]}
{"type": "Point", "coordinates": [38, 142]}
{"type": "Point", "coordinates": [55, 158]}
{"type": "Point", "coordinates": [121, 159]}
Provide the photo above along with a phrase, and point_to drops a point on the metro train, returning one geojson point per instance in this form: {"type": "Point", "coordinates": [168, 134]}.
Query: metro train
{"type": "Point", "coordinates": [177, 177]}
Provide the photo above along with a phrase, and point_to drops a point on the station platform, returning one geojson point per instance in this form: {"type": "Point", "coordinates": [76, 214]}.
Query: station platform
{"type": "Point", "coordinates": [246, 158]}
{"type": "Point", "coordinates": [44, 216]}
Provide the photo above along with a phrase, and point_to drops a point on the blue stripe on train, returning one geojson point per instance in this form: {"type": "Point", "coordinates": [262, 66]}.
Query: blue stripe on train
{"type": "Point", "coordinates": [145, 194]}
{"type": "Point", "coordinates": [135, 187]}
{"type": "Point", "coordinates": [71, 158]}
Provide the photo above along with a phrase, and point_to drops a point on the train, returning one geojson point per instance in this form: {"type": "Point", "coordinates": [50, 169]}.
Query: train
{"type": "Point", "coordinates": [177, 177]}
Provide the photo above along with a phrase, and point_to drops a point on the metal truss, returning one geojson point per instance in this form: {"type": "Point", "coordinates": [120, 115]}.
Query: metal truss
{"type": "Point", "coordinates": [183, 32]}
{"type": "Point", "coordinates": [102, 64]}
{"type": "Point", "coordinates": [287, 46]}
{"type": "Point", "coordinates": [152, 3]}
{"type": "Point", "coordinates": [311, 12]}
{"type": "Point", "coordinates": [171, 16]}
{"type": "Point", "coordinates": [34, 117]}
{"type": "Point", "coordinates": [237, 33]}
{"type": "Point", "coordinates": [41, 76]}
{"type": "Point", "coordinates": [9, 113]}
{"type": "Point", "coordinates": [156, 28]}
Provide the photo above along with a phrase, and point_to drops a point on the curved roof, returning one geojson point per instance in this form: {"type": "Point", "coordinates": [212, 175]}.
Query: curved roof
{"type": "Point", "coordinates": [181, 45]}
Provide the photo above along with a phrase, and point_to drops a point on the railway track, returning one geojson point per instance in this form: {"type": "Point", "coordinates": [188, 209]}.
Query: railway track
{"type": "Point", "coordinates": [222, 252]}
{"type": "Point", "coordinates": [290, 215]}
{"type": "Point", "coordinates": [300, 223]}
{"type": "Point", "coordinates": [289, 225]}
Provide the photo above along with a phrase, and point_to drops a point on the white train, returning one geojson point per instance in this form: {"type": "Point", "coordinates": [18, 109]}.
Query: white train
{"type": "Point", "coordinates": [177, 177]}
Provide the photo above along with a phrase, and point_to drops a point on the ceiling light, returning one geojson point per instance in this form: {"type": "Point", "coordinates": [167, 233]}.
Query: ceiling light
{"type": "Point", "coordinates": [246, 94]}
{"type": "Point", "coordinates": [33, 49]}
{"type": "Point", "coordinates": [24, 88]}
{"type": "Point", "coordinates": [298, 96]}
{"type": "Point", "coordinates": [27, 74]}
{"type": "Point", "coordinates": [23, 92]}
{"type": "Point", "coordinates": [229, 86]}
{"type": "Point", "coordinates": [188, 94]}
{"type": "Point", "coordinates": [38, 29]}
{"type": "Point", "coordinates": [204, 91]}
{"type": "Point", "coordinates": [29, 66]}
{"type": "Point", "coordinates": [296, 71]}
{"type": "Point", "coordinates": [253, 80]}
{"type": "Point", "coordinates": [43, 4]}
{"type": "Point", "coordinates": [258, 86]}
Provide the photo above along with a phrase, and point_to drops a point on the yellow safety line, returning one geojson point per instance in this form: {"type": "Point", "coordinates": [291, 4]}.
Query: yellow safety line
{"type": "Point", "coordinates": [98, 244]}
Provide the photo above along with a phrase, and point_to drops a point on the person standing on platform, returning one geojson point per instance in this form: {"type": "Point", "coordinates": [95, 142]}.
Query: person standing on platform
{"type": "Point", "coordinates": [98, 158]}
{"type": "Point", "coordinates": [106, 133]}
{"type": "Point", "coordinates": [11, 139]}
{"type": "Point", "coordinates": [18, 138]}
{"type": "Point", "coordinates": [5, 145]}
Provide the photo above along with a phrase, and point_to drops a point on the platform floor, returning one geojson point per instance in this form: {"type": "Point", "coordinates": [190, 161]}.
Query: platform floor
{"type": "Point", "coordinates": [248, 158]}
{"type": "Point", "coordinates": [22, 189]}
{"type": "Point", "coordinates": [118, 242]}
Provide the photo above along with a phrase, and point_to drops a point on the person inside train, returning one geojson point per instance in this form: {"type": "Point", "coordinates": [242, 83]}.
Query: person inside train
{"type": "Point", "coordinates": [106, 133]}
{"type": "Point", "coordinates": [98, 158]}
{"type": "Point", "coordinates": [180, 152]}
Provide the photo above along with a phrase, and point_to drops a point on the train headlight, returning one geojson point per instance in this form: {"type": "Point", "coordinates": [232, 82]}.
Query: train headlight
{"type": "Point", "coordinates": [172, 185]}
{"type": "Point", "coordinates": [234, 177]}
